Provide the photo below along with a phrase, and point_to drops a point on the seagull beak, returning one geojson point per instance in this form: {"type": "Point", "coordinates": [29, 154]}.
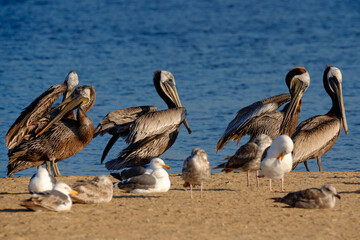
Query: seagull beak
{"type": "Point", "coordinates": [338, 196]}
{"type": "Point", "coordinates": [165, 166]}
{"type": "Point", "coordinates": [73, 192]}
{"type": "Point", "coordinates": [281, 156]}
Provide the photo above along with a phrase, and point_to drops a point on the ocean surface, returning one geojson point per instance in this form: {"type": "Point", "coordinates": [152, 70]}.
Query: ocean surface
{"type": "Point", "coordinates": [224, 55]}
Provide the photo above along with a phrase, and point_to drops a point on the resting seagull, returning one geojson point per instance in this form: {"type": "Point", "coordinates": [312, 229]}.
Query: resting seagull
{"type": "Point", "coordinates": [157, 181]}
{"type": "Point", "coordinates": [55, 200]}
{"type": "Point", "coordinates": [323, 197]}
{"type": "Point", "coordinates": [41, 181]}
{"type": "Point", "coordinates": [196, 169]}
{"type": "Point", "coordinates": [97, 190]}
{"type": "Point", "coordinates": [277, 159]}
{"type": "Point", "coordinates": [248, 157]}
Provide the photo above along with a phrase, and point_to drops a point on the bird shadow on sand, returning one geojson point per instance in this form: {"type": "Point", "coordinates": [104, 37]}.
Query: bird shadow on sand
{"type": "Point", "coordinates": [136, 196]}
{"type": "Point", "coordinates": [8, 193]}
{"type": "Point", "coordinates": [8, 210]}
{"type": "Point", "coordinates": [349, 192]}
{"type": "Point", "coordinates": [205, 190]}
{"type": "Point", "coordinates": [351, 183]}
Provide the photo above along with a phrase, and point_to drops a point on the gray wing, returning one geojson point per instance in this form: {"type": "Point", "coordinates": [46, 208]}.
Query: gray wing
{"type": "Point", "coordinates": [35, 111]}
{"type": "Point", "coordinates": [242, 157]}
{"type": "Point", "coordinates": [308, 198]}
{"type": "Point", "coordinates": [151, 135]}
{"type": "Point", "coordinates": [49, 200]}
{"type": "Point", "coordinates": [247, 119]}
{"type": "Point", "coordinates": [145, 181]}
{"type": "Point", "coordinates": [313, 136]}
{"type": "Point", "coordinates": [128, 173]}
{"type": "Point", "coordinates": [118, 122]}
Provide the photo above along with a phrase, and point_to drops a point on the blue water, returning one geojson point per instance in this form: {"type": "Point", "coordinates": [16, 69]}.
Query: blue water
{"type": "Point", "coordinates": [224, 55]}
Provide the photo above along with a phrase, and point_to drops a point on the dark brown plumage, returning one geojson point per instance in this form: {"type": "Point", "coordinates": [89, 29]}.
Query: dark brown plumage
{"type": "Point", "coordinates": [64, 138]}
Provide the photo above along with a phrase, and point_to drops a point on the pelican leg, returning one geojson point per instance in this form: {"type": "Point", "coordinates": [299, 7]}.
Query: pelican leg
{"type": "Point", "coordinates": [58, 174]}
{"type": "Point", "coordinates": [201, 188]}
{"type": "Point", "coordinates": [319, 164]}
{"type": "Point", "coordinates": [257, 178]}
{"type": "Point", "coordinates": [55, 169]}
{"type": "Point", "coordinates": [248, 181]}
{"type": "Point", "coordinates": [47, 163]}
{"type": "Point", "coordinates": [191, 191]}
{"type": "Point", "coordinates": [306, 166]}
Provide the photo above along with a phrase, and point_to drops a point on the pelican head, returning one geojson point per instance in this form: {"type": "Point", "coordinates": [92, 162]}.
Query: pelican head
{"type": "Point", "coordinates": [165, 85]}
{"type": "Point", "coordinates": [297, 80]}
{"type": "Point", "coordinates": [71, 81]}
{"type": "Point", "coordinates": [83, 97]}
{"type": "Point", "coordinates": [333, 85]}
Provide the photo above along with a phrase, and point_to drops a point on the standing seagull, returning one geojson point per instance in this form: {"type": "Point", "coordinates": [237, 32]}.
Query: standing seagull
{"type": "Point", "coordinates": [97, 190]}
{"type": "Point", "coordinates": [157, 181]}
{"type": "Point", "coordinates": [312, 198]}
{"type": "Point", "coordinates": [149, 132]}
{"type": "Point", "coordinates": [61, 138]}
{"type": "Point", "coordinates": [41, 181]}
{"type": "Point", "coordinates": [262, 117]}
{"type": "Point", "coordinates": [55, 200]}
{"type": "Point", "coordinates": [277, 159]}
{"type": "Point", "coordinates": [34, 117]}
{"type": "Point", "coordinates": [316, 136]}
{"type": "Point", "coordinates": [248, 157]}
{"type": "Point", "coordinates": [196, 169]}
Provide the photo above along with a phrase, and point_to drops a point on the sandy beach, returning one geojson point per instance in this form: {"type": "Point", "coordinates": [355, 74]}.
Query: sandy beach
{"type": "Point", "coordinates": [229, 210]}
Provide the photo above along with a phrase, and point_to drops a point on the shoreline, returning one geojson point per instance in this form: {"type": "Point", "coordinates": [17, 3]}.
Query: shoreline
{"type": "Point", "coordinates": [229, 210]}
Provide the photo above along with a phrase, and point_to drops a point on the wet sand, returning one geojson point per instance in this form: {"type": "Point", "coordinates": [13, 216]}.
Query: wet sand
{"type": "Point", "coordinates": [229, 210]}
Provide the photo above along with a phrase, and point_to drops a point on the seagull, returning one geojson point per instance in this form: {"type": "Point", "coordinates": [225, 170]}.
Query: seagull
{"type": "Point", "coordinates": [196, 169]}
{"type": "Point", "coordinates": [323, 197]}
{"type": "Point", "coordinates": [248, 157]}
{"type": "Point", "coordinates": [55, 200]}
{"type": "Point", "coordinates": [277, 159]}
{"type": "Point", "coordinates": [97, 190]}
{"type": "Point", "coordinates": [157, 181]}
{"type": "Point", "coordinates": [41, 181]}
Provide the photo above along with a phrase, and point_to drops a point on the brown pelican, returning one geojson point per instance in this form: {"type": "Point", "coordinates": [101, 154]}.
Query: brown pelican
{"type": "Point", "coordinates": [196, 169]}
{"type": "Point", "coordinates": [248, 157]}
{"type": "Point", "coordinates": [149, 132]}
{"type": "Point", "coordinates": [61, 138]}
{"type": "Point", "coordinates": [277, 159]}
{"type": "Point", "coordinates": [36, 116]}
{"type": "Point", "coordinates": [262, 117]}
{"type": "Point", "coordinates": [316, 136]}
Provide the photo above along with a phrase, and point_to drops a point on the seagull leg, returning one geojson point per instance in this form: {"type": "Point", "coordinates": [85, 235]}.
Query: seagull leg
{"type": "Point", "coordinates": [306, 166]}
{"type": "Point", "coordinates": [248, 174]}
{"type": "Point", "coordinates": [271, 190]}
{"type": "Point", "coordinates": [319, 164]}
{"type": "Point", "coordinates": [282, 184]}
{"type": "Point", "coordinates": [191, 191]}
{"type": "Point", "coordinates": [201, 188]}
{"type": "Point", "coordinates": [257, 178]}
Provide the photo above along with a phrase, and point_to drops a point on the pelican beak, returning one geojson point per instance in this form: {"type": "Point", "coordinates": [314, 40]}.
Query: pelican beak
{"type": "Point", "coordinates": [73, 192]}
{"type": "Point", "coordinates": [170, 89]}
{"type": "Point", "coordinates": [281, 156]}
{"type": "Point", "coordinates": [72, 103]}
{"type": "Point", "coordinates": [298, 87]}
{"type": "Point", "coordinates": [165, 166]}
{"type": "Point", "coordinates": [339, 97]}
{"type": "Point", "coordinates": [338, 196]}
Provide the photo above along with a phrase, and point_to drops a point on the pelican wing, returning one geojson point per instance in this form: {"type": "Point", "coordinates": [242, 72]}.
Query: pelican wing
{"type": "Point", "coordinates": [34, 112]}
{"type": "Point", "coordinates": [155, 123]}
{"type": "Point", "coordinates": [118, 122]}
{"type": "Point", "coordinates": [313, 136]}
{"type": "Point", "coordinates": [244, 122]}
